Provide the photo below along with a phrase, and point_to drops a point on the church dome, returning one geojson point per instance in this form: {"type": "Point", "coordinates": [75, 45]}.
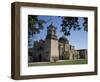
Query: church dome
{"type": "Point", "coordinates": [63, 40]}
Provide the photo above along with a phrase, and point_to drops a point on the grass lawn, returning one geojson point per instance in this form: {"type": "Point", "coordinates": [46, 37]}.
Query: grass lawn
{"type": "Point", "coordinates": [70, 62]}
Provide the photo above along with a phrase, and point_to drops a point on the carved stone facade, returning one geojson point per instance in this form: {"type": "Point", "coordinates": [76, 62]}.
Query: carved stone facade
{"type": "Point", "coordinates": [53, 49]}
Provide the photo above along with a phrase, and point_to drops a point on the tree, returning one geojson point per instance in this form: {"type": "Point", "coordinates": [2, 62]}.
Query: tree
{"type": "Point", "coordinates": [69, 23]}
{"type": "Point", "coordinates": [85, 24]}
{"type": "Point", "coordinates": [34, 27]}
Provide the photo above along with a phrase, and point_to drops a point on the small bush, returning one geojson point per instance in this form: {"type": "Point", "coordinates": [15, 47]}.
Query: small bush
{"type": "Point", "coordinates": [55, 58]}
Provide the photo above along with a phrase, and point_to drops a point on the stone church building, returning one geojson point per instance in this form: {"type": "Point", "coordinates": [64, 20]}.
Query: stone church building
{"type": "Point", "coordinates": [53, 49]}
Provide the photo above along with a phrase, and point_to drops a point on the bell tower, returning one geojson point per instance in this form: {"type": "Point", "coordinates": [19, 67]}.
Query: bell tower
{"type": "Point", "coordinates": [52, 42]}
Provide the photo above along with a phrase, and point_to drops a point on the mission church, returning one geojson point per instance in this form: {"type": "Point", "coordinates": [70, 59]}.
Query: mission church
{"type": "Point", "coordinates": [52, 49]}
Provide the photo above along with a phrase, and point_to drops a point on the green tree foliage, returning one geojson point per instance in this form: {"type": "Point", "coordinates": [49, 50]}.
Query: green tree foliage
{"type": "Point", "coordinates": [69, 23]}
{"type": "Point", "coordinates": [34, 26]}
{"type": "Point", "coordinates": [85, 24]}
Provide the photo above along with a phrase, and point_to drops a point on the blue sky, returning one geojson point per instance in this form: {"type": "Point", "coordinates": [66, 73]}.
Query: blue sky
{"type": "Point", "coordinates": [77, 38]}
